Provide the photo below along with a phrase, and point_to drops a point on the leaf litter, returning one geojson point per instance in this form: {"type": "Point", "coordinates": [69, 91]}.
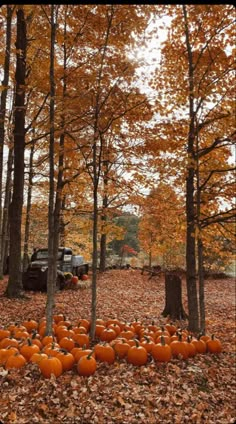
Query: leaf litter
{"type": "Point", "coordinates": [199, 390]}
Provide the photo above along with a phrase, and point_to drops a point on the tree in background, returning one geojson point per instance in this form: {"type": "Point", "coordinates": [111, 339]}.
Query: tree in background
{"type": "Point", "coordinates": [162, 227]}
{"type": "Point", "coordinates": [14, 287]}
{"type": "Point", "coordinates": [3, 114]}
{"type": "Point", "coordinates": [194, 107]}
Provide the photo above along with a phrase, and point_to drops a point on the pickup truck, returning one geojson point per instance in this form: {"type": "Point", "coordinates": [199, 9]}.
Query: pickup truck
{"type": "Point", "coordinates": [35, 277]}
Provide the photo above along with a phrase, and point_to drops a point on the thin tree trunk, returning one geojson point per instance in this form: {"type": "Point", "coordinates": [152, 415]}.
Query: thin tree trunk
{"type": "Point", "coordinates": [103, 242]}
{"type": "Point", "coordinates": [51, 259]}
{"type": "Point", "coordinates": [200, 251]}
{"type": "Point", "coordinates": [5, 217]}
{"type": "Point", "coordinates": [95, 244]}
{"type": "Point", "coordinates": [28, 209]}
{"type": "Point", "coordinates": [201, 287]}
{"type": "Point", "coordinates": [3, 103]}
{"type": "Point", "coordinates": [62, 235]}
{"type": "Point", "coordinates": [190, 213]}
{"type": "Point", "coordinates": [97, 160]}
{"type": "Point", "coordinates": [14, 288]}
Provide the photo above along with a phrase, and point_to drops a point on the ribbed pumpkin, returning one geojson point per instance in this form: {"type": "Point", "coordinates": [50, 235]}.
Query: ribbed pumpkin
{"type": "Point", "coordinates": [15, 361]}
{"type": "Point", "coordinates": [50, 366]}
{"type": "Point", "coordinates": [137, 355]}
{"type": "Point", "coordinates": [121, 348]}
{"type": "Point", "coordinates": [178, 348]}
{"type": "Point", "coordinates": [104, 353]}
{"type": "Point", "coordinates": [214, 345]}
{"type": "Point", "coordinates": [28, 349]}
{"type": "Point", "coordinates": [67, 359]}
{"type": "Point", "coordinates": [161, 352]}
{"type": "Point", "coordinates": [87, 365]}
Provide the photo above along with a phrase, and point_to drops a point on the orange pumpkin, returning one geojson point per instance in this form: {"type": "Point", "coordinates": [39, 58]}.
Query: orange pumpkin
{"type": "Point", "coordinates": [121, 348]}
{"type": "Point", "coordinates": [200, 345]}
{"type": "Point", "coordinates": [178, 348]}
{"type": "Point", "coordinates": [30, 325]}
{"type": "Point", "coordinates": [214, 345]}
{"type": "Point", "coordinates": [83, 351]}
{"type": "Point", "coordinates": [104, 353]}
{"type": "Point", "coordinates": [147, 343]}
{"type": "Point", "coordinates": [4, 333]}
{"type": "Point", "coordinates": [49, 366]}
{"type": "Point", "coordinates": [161, 352]}
{"type": "Point", "coordinates": [67, 359]}
{"type": "Point", "coordinates": [67, 343]}
{"type": "Point", "coordinates": [15, 361]}
{"type": "Point", "coordinates": [81, 339]}
{"type": "Point", "coordinates": [28, 349]}
{"type": "Point", "coordinates": [108, 334]}
{"type": "Point", "coordinates": [6, 352]}
{"type": "Point", "coordinates": [37, 357]}
{"type": "Point", "coordinates": [87, 365]}
{"type": "Point", "coordinates": [137, 355]}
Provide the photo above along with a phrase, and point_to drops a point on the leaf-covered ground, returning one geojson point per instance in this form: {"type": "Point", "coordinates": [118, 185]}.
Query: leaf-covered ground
{"type": "Point", "coordinates": [199, 390]}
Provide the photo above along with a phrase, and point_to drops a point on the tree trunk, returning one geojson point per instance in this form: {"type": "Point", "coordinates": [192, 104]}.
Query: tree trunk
{"type": "Point", "coordinates": [51, 280]}
{"type": "Point", "coordinates": [201, 287]}
{"type": "Point", "coordinates": [173, 298]}
{"type": "Point", "coordinates": [28, 209]}
{"type": "Point", "coordinates": [3, 103]}
{"type": "Point", "coordinates": [103, 243]}
{"type": "Point", "coordinates": [14, 287]}
{"type": "Point", "coordinates": [5, 217]}
{"type": "Point", "coordinates": [190, 213]}
{"type": "Point", "coordinates": [62, 225]}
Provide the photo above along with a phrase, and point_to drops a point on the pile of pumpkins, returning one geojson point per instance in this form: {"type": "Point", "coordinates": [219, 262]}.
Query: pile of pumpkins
{"type": "Point", "coordinates": [70, 346]}
{"type": "Point", "coordinates": [72, 281]}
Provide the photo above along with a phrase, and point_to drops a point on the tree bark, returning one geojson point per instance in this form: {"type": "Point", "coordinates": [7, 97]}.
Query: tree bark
{"type": "Point", "coordinates": [28, 209]}
{"type": "Point", "coordinates": [14, 288]}
{"type": "Point", "coordinates": [201, 287]}
{"type": "Point", "coordinates": [51, 280]}
{"type": "Point", "coordinates": [5, 217]}
{"type": "Point", "coordinates": [190, 213]}
{"type": "Point", "coordinates": [3, 103]}
{"type": "Point", "coordinates": [173, 298]}
{"type": "Point", "coordinates": [103, 242]}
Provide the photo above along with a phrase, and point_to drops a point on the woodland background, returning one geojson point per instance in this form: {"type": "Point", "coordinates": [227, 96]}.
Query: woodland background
{"type": "Point", "coordinates": [94, 125]}
{"type": "Point", "coordinates": [117, 138]}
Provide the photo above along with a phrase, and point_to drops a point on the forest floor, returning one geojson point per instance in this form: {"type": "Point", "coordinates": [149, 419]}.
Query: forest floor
{"type": "Point", "coordinates": [198, 390]}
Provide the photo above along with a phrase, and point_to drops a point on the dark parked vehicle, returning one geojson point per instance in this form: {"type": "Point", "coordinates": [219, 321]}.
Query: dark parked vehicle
{"type": "Point", "coordinates": [35, 277]}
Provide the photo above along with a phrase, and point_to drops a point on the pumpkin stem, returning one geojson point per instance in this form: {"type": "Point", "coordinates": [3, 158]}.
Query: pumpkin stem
{"type": "Point", "coordinates": [180, 337]}
{"type": "Point", "coordinates": [163, 342]}
{"type": "Point", "coordinates": [63, 351]}
{"type": "Point", "coordinates": [90, 355]}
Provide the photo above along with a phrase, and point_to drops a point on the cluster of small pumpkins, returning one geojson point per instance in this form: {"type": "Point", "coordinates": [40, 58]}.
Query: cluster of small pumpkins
{"type": "Point", "coordinates": [70, 347]}
{"type": "Point", "coordinates": [73, 282]}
